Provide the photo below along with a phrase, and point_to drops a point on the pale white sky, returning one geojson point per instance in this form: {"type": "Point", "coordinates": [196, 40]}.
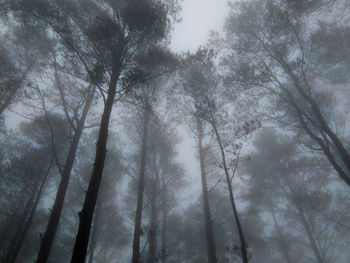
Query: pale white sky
{"type": "Point", "coordinates": [199, 17]}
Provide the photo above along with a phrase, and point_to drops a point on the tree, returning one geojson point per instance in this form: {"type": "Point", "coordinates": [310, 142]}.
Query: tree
{"type": "Point", "coordinates": [284, 184]}
{"type": "Point", "coordinates": [32, 168]}
{"type": "Point", "coordinates": [196, 123]}
{"type": "Point", "coordinates": [104, 44]}
{"type": "Point", "coordinates": [271, 48]}
{"type": "Point", "coordinates": [77, 122]}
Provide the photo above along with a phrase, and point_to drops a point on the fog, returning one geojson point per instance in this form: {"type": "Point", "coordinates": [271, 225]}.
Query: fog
{"type": "Point", "coordinates": [171, 131]}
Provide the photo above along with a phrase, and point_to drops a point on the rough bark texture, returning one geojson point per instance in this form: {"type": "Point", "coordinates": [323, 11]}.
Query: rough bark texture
{"type": "Point", "coordinates": [141, 187]}
{"type": "Point", "coordinates": [85, 216]}
{"type": "Point", "coordinates": [208, 223]}
{"type": "Point", "coordinates": [51, 229]}
{"type": "Point", "coordinates": [94, 233]}
{"type": "Point", "coordinates": [232, 200]}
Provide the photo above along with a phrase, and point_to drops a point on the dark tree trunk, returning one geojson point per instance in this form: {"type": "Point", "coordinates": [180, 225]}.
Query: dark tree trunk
{"type": "Point", "coordinates": [153, 221]}
{"type": "Point", "coordinates": [13, 254]}
{"type": "Point", "coordinates": [51, 229]}
{"type": "Point", "coordinates": [232, 200]}
{"type": "Point", "coordinates": [141, 187]}
{"type": "Point", "coordinates": [94, 233]}
{"type": "Point", "coordinates": [85, 216]}
{"type": "Point", "coordinates": [208, 223]}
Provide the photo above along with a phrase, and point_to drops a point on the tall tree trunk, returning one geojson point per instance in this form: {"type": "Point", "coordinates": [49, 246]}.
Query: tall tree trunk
{"type": "Point", "coordinates": [141, 187]}
{"type": "Point", "coordinates": [95, 226]}
{"type": "Point", "coordinates": [19, 242]}
{"type": "Point", "coordinates": [280, 234]}
{"type": "Point", "coordinates": [208, 223]}
{"type": "Point", "coordinates": [85, 216]}
{"type": "Point", "coordinates": [163, 252]}
{"type": "Point", "coordinates": [52, 226]}
{"type": "Point", "coordinates": [153, 220]}
{"type": "Point", "coordinates": [232, 200]}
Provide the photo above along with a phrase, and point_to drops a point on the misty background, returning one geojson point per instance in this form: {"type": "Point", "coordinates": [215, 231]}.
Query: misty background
{"type": "Point", "coordinates": [174, 131]}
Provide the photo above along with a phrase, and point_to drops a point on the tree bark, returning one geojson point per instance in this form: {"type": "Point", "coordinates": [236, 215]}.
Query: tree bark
{"type": "Point", "coordinates": [208, 223]}
{"type": "Point", "coordinates": [232, 200]}
{"type": "Point", "coordinates": [94, 233]}
{"type": "Point", "coordinates": [153, 219]}
{"type": "Point", "coordinates": [85, 216]}
{"type": "Point", "coordinates": [51, 229]}
{"type": "Point", "coordinates": [141, 187]}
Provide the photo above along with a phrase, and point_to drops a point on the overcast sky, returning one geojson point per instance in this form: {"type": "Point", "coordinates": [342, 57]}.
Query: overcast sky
{"type": "Point", "coordinates": [199, 17]}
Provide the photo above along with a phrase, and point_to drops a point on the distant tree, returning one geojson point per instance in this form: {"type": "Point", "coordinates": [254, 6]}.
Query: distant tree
{"type": "Point", "coordinates": [192, 101]}
{"type": "Point", "coordinates": [284, 184]}
{"type": "Point", "coordinates": [271, 47]}
{"type": "Point", "coordinates": [33, 166]}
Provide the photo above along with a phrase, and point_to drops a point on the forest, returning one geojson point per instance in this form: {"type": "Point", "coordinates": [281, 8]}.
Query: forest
{"type": "Point", "coordinates": [114, 148]}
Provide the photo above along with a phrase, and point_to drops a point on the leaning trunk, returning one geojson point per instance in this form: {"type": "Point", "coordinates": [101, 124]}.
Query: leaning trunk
{"type": "Point", "coordinates": [208, 223]}
{"type": "Point", "coordinates": [232, 200]}
{"type": "Point", "coordinates": [51, 229]}
{"type": "Point", "coordinates": [141, 187]}
{"type": "Point", "coordinates": [85, 216]}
